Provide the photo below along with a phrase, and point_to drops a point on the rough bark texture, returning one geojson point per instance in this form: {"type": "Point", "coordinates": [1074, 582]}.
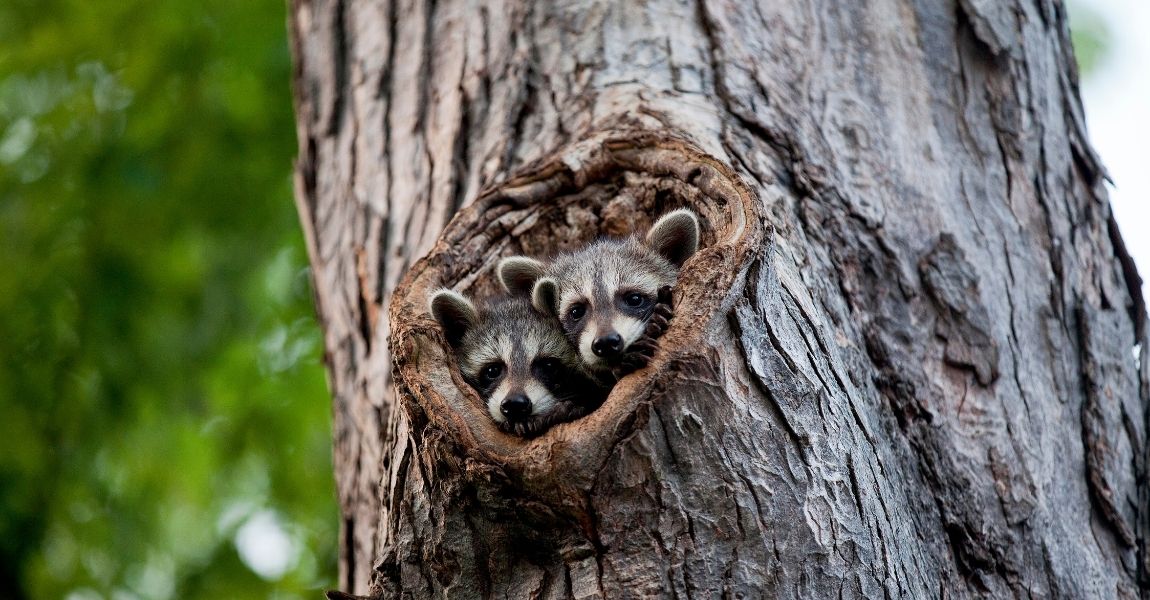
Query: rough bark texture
{"type": "Point", "coordinates": [905, 363]}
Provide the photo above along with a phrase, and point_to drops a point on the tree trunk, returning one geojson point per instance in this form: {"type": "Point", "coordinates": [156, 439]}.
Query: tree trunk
{"type": "Point", "coordinates": [905, 362]}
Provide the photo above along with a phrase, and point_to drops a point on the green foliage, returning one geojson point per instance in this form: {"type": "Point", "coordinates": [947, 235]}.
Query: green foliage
{"type": "Point", "coordinates": [1090, 35]}
{"type": "Point", "coordinates": [160, 383]}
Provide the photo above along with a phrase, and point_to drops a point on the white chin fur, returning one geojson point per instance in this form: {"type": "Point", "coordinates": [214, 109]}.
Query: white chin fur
{"type": "Point", "coordinates": [493, 410]}
{"type": "Point", "coordinates": [630, 329]}
{"type": "Point", "coordinates": [592, 361]}
{"type": "Point", "coordinates": [585, 338]}
{"type": "Point", "coordinates": [542, 401]}
{"type": "Point", "coordinates": [496, 400]}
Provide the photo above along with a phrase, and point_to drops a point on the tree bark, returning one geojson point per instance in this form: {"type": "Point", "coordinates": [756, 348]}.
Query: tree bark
{"type": "Point", "coordinates": [907, 362]}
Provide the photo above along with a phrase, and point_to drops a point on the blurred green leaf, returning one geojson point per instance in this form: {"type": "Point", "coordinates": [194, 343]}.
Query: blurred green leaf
{"type": "Point", "coordinates": [1090, 35]}
{"type": "Point", "coordinates": [159, 361]}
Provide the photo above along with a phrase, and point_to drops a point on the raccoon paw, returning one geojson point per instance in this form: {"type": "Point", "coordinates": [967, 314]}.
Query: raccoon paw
{"type": "Point", "coordinates": [642, 350]}
{"type": "Point", "coordinates": [526, 429]}
{"type": "Point", "coordinates": [637, 357]}
{"type": "Point", "coordinates": [628, 365]}
{"type": "Point", "coordinates": [538, 424]}
{"type": "Point", "coordinates": [512, 428]}
{"type": "Point", "coordinates": [661, 315]}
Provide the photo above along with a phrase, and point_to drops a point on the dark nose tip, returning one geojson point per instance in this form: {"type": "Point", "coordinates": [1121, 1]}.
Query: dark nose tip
{"type": "Point", "coordinates": [608, 346]}
{"type": "Point", "coordinates": [516, 407]}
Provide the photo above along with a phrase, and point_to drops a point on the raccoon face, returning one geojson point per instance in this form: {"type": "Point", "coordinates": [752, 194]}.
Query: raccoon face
{"type": "Point", "coordinates": [604, 294]}
{"type": "Point", "coordinates": [603, 302]}
{"type": "Point", "coordinates": [518, 360]}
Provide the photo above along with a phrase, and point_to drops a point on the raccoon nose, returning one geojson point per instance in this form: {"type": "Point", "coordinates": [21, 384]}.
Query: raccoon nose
{"type": "Point", "coordinates": [516, 407]}
{"type": "Point", "coordinates": [608, 346]}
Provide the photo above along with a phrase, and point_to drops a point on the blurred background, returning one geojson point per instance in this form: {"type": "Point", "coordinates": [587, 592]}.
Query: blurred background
{"type": "Point", "coordinates": [1112, 42]}
{"type": "Point", "coordinates": [164, 420]}
{"type": "Point", "coordinates": [165, 426]}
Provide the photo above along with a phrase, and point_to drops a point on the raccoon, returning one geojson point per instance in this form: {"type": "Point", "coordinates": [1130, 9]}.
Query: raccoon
{"type": "Point", "coordinates": [518, 360]}
{"type": "Point", "coordinates": [613, 297]}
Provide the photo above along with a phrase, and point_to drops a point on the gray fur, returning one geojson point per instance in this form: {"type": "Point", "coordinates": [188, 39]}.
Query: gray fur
{"type": "Point", "coordinates": [454, 312]}
{"type": "Point", "coordinates": [511, 329]}
{"type": "Point", "coordinates": [545, 296]}
{"type": "Point", "coordinates": [509, 332]}
{"type": "Point", "coordinates": [518, 274]}
{"type": "Point", "coordinates": [598, 275]}
{"type": "Point", "coordinates": [675, 236]}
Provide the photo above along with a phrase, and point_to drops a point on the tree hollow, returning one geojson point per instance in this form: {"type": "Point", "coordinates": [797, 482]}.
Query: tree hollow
{"type": "Point", "coordinates": [613, 184]}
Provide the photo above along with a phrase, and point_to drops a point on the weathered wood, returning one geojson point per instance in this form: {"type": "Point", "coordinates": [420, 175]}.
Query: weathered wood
{"type": "Point", "coordinates": [905, 363]}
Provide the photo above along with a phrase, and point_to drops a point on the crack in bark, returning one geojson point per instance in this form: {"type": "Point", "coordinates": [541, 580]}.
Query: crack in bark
{"type": "Point", "coordinates": [384, 93]}
{"type": "Point", "coordinates": [1130, 276]}
{"type": "Point", "coordinates": [339, 52]}
{"type": "Point", "coordinates": [800, 441]}
{"type": "Point", "coordinates": [1094, 440]}
{"type": "Point", "coordinates": [771, 120]}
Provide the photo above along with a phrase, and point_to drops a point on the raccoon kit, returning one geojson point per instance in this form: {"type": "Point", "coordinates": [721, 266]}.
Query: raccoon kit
{"type": "Point", "coordinates": [518, 360]}
{"type": "Point", "coordinates": [612, 297]}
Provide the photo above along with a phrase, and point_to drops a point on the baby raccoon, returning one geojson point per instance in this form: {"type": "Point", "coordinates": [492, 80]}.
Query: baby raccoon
{"type": "Point", "coordinates": [518, 361]}
{"type": "Point", "coordinates": [612, 297]}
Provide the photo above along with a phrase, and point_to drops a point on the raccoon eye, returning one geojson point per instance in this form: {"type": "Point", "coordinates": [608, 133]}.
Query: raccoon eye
{"type": "Point", "coordinates": [548, 365]}
{"type": "Point", "coordinates": [634, 299]}
{"type": "Point", "coordinates": [491, 372]}
{"type": "Point", "coordinates": [577, 311]}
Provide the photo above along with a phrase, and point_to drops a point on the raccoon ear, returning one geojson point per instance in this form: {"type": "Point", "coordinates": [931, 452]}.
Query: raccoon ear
{"type": "Point", "coordinates": [518, 274]}
{"type": "Point", "coordinates": [455, 313]}
{"type": "Point", "coordinates": [545, 296]}
{"type": "Point", "coordinates": [675, 236]}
